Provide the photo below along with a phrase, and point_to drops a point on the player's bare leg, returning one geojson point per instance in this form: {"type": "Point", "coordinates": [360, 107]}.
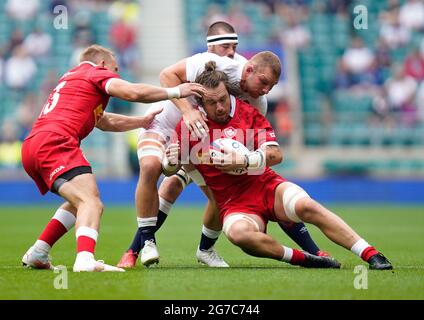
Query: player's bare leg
{"type": "Point", "coordinates": [169, 191]}
{"type": "Point", "coordinates": [82, 193]}
{"type": "Point", "coordinates": [247, 232]}
{"type": "Point", "coordinates": [37, 256]}
{"type": "Point", "coordinates": [211, 230]}
{"type": "Point", "coordinates": [211, 215]}
{"type": "Point", "coordinates": [150, 152]}
{"type": "Point", "coordinates": [292, 203]}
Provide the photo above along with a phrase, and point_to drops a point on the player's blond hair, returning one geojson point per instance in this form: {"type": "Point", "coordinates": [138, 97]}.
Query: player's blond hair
{"type": "Point", "coordinates": [267, 59]}
{"type": "Point", "coordinates": [96, 53]}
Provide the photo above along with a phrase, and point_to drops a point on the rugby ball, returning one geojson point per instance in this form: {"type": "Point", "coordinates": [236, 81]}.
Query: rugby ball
{"type": "Point", "coordinates": [219, 145]}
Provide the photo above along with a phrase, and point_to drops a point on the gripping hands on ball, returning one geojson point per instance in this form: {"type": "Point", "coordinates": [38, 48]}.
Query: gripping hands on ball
{"type": "Point", "coordinates": [228, 160]}
{"type": "Point", "coordinates": [232, 157]}
{"type": "Point", "coordinates": [229, 156]}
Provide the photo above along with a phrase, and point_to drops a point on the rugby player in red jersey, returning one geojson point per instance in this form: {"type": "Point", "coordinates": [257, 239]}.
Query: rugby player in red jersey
{"type": "Point", "coordinates": [248, 201]}
{"type": "Point", "coordinates": [52, 157]}
{"type": "Point", "coordinates": [222, 40]}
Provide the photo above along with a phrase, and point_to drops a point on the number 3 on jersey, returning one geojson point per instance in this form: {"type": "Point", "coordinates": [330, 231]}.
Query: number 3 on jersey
{"type": "Point", "coordinates": [52, 102]}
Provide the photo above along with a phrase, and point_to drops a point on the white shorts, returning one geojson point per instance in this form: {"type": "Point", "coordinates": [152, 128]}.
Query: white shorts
{"type": "Point", "coordinates": [165, 122]}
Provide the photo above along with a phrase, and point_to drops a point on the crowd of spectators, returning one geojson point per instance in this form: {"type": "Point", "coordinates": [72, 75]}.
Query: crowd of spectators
{"type": "Point", "coordinates": [33, 54]}
{"type": "Point", "coordinates": [31, 62]}
{"type": "Point", "coordinates": [389, 69]}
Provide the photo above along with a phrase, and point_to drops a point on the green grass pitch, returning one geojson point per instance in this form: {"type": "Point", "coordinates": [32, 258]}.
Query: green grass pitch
{"type": "Point", "coordinates": [397, 231]}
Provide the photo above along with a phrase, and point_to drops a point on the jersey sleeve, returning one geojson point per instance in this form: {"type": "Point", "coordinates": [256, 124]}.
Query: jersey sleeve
{"type": "Point", "coordinates": [194, 66]}
{"type": "Point", "coordinates": [101, 78]}
{"type": "Point", "coordinates": [264, 133]}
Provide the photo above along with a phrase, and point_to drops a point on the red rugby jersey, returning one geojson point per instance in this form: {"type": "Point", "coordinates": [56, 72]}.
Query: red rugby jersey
{"type": "Point", "coordinates": [77, 103]}
{"type": "Point", "coordinates": [247, 126]}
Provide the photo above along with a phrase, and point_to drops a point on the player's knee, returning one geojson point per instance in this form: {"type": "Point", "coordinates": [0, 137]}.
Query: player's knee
{"type": "Point", "coordinates": [239, 234]}
{"type": "Point", "coordinates": [94, 204]}
{"type": "Point", "coordinates": [308, 210]}
{"type": "Point", "coordinates": [99, 206]}
{"type": "Point", "coordinates": [238, 229]}
{"type": "Point", "coordinates": [149, 170]}
{"type": "Point", "coordinates": [294, 198]}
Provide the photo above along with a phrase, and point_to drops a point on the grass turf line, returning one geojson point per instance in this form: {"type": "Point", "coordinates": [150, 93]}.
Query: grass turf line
{"type": "Point", "coordinates": [396, 231]}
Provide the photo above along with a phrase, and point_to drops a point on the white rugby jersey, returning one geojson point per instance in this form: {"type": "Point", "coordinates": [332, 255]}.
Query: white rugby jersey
{"type": "Point", "coordinates": [195, 65]}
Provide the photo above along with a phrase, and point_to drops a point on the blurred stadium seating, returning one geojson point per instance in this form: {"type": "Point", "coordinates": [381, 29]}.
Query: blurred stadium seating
{"type": "Point", "coordinates": [333, 117]}
{"type": "Point", "coordinates": [87, 22]}
{"type": "Point", "coordinates": [334, 125]}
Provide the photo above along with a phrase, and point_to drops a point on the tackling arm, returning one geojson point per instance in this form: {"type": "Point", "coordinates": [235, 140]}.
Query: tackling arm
{"type": "Point", "coordinates": [193, 119]}
{"type": "Point", "coordinates": [172, 76]}
{"type": "Point", "coordinates": [145, 93]}
{"type": "Point", "coordinates": [118, 123]}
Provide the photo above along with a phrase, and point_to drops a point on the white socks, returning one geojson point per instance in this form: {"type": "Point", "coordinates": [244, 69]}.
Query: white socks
{"type": "Point", "coordinates": [211, 234]}
{"type": "Point", "coordinates": [147, 222]}
{"type": "Point", "coordinates": [164, 205]}
{"type": "Point", "coordinates": [65, 217]}
{"type": "Point", "coordinates": [359, 247]}
{"type": "Point", "coordinates": [288, 254]}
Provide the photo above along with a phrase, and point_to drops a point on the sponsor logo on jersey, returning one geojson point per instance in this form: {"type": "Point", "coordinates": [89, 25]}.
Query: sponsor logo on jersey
{"type": "Point", "coordinates": [56, 171]}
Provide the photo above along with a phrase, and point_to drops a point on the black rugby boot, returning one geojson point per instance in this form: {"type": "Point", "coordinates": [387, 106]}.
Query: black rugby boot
{"type": "Point", "coordinates": [379, 262]}
{"type": "Point", "coordinates": [312, 261]}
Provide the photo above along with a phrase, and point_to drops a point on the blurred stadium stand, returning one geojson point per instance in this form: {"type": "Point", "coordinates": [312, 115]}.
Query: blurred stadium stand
{"type": "Point", "coordinates": [330, 121]}
{"type": "Point", "coordinates": [342, 129]}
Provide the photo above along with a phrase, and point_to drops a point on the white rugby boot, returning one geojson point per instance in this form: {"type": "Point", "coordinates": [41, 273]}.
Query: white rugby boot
{"type": "Point", "coordinates": [211, 258]}
{"type": "Point", "coordinates": [37, 258]}
{"type": "Point", "coordinates": [149, 253]}
{"type": "Point", "coordinates": [87, 263]}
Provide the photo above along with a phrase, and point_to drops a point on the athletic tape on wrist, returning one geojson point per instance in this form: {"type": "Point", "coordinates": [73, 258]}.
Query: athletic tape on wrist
{"type": "Point", "coordinates": [173, 92]}
{"type": "Point", "coordinates": [256, 159]}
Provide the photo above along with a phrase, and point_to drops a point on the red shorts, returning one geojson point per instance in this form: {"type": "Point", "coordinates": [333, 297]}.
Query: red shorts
{"type": "Point", "coordinates": [256, 198]}
{"type": "Point", "coordinates": [47, 155]}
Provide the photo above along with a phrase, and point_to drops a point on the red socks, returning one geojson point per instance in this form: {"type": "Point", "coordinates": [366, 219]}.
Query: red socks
{"type": "Point", "coordinates": [61, 222]}
{"type": "Point", "coordinates": [86, 239]}
{"type": "Point", "coordinates": [368, 253]}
